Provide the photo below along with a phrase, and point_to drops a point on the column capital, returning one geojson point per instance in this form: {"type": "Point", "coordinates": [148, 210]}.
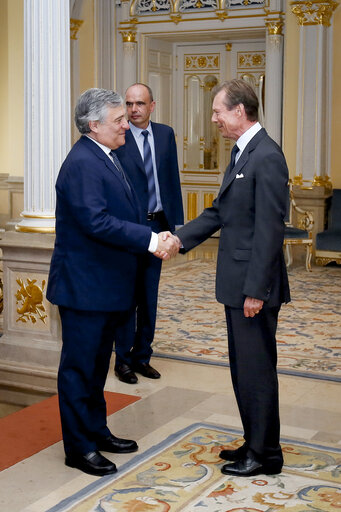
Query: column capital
{"type": "Point", "coordinates": [314, 12]}
{"type": "Point", "coordinates": [128, 36]}
{"type": "Point", "coordinates": [75, 25]}
{"type": "Point", "coordinates": [274, 27]}
{"type": "Point", "coordinates": [228, 47]}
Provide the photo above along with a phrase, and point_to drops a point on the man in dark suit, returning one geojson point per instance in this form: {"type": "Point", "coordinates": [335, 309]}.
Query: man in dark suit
{"type": "Point", "coordinates": [99, 237]}
{"type": "Point", "coordinates": [149, 157]}
{"type": "Point", "coordinates": [251, 276]}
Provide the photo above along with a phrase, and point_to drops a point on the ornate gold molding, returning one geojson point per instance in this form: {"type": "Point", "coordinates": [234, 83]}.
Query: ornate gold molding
{"type": "Point", "coordinates": [30, 299]}
{"type": "Point", "coordinates": [314, 12]}
{"type": "Point", "coordinates": [228, 47]}
{"type": "Point", "coordinates": [176, 18]}
{"type": "Point", "coordinates": [75, 25]}
{"type": "Point", "coordinates": [274, 27]}
{"type": "Point", "coordinates": [322, 181]}
{"type": "Point", "coordinates": [128, 36]}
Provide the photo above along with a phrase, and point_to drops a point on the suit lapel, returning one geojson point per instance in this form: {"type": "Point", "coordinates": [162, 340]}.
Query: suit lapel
{"type": "Point", "coordinates": [110, 165]}
{"type": "Point", "coordinates": [133, 150]}
{"type": "Point", "coordinates": [230, 176]}
{"type": "Point", "coordinates": [157, 145]}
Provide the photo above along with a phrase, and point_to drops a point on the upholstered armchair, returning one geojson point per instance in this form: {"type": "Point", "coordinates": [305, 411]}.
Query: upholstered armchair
{"type": "Point", "coordinates": [328, 242]}
{"type": "Point", "coordinates": [300, 234]}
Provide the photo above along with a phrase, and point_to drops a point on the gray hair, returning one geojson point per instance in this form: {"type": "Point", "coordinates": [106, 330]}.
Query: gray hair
{"type": "Point", "coordinates": [92, 105]}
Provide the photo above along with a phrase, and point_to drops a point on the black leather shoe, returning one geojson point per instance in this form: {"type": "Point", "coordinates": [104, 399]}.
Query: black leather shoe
{"type": "Point", "coordinates": [248, 466]}
{"type": "Point", "coordinates": [92, 463]}
{"type": "Point", "coordinates": [146, 370]}
{"type": "Point", "coordinates": [235, 455]}
{"type": "Point", "coordinates": [125, 374]}
{"type": "Point", "coordinates": [114, 444]}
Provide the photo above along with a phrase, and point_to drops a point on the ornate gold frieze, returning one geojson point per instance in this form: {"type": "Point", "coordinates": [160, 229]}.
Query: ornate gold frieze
{"type": "Point", "coordinates": [314, 12]}
{"type": "Point", "coordinates": [202, 62]}
{"type": "Point", "coordinates": [128, 36]}
{"type": "Point", "coordinates": [75, 25]}
{"type": "Point", "coordinates": [251, 60]}
{"type": "Point", "coordinates": [30, 299]}
{"type": "Point", "coordinates": [274, 27]}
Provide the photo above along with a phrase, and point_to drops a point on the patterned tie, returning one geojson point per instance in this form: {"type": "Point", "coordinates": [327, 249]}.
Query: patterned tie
{"type": "Point", "coordinates": [148, 165]}
{"type": "Point", "coordinates": [234, 151]}
{"type": "Point", "coordinates": [119, 167]}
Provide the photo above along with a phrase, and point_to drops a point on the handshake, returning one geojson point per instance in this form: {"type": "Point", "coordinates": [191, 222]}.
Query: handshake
{"type": "Point", "coordinates": [168, 245]}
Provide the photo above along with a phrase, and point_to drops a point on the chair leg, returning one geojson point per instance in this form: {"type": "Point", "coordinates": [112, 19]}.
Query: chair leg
{"type": "Point", "coordinates": [289, 255]}
{"type": "Point", "coordinates": [308, 257]}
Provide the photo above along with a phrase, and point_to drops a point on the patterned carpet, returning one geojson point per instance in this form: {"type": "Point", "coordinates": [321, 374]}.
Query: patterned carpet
{"type": "Point", "coordinates": [182, 474]}
{"type": "Point", "coordinates": [191, 324]}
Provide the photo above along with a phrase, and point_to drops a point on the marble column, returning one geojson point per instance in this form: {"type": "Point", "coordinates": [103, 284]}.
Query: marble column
{"type": "Point", "coordinates": [274, 78]}
{"type": "Point", "coordinates": [47, 108]}
{"type": "Point", "coordinates": [313, 116]}
{"type": "Point", "coordinates": [129, 63]}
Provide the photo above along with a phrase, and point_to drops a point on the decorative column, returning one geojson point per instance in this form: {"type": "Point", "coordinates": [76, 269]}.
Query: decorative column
{"type": "Point", "coordinates": [129, 57]}
{"type": "Point", "coordinates": [312, 161]}
{"type": "Point", "coordinates": [47, 108]}
{"type": "Point", "coordinates": [274, 78]}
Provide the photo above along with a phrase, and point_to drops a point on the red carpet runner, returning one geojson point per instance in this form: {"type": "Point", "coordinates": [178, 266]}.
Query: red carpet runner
{"type": "Point", "coordinates": [30, 430]}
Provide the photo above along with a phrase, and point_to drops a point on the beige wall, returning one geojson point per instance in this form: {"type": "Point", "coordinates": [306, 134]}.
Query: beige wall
{"type": "Point", "coordinates": [290, 87]}
{"type": "Point", "coordinates": [86, 37]}
{"type": "Point", "coordinates": [12, 87]}
{"type": "Point", "coordinates": [336, 102]}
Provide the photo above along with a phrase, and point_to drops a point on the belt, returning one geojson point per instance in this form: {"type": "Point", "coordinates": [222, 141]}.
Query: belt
{"type": "Point", "coordinates": [155, 215]}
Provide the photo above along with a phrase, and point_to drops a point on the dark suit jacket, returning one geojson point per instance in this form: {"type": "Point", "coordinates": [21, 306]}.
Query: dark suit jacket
{"type": "Point", "coordinates": [98, 235]}
{"type": "Point", "coordinates": [167, 171]}
{"type": "Point", "coordinates": [250, 211]}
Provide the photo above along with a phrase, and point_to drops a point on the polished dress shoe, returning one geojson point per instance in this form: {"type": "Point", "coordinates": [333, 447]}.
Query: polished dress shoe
{"type": "Point", "coordinates": [146, 370]}
{"type": "Point", "coordinates": [125, 374]}
{"type": "Point", "coordinates": [114, 444]}
{"type": "Point", "coordinates": [235, 455]}
{"type": "Point", "coordinates": [92, 463]}
{"type": "Point", "coordinates": [249, 466]}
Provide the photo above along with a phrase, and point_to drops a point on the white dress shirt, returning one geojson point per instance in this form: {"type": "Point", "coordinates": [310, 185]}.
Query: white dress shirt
{"type": "Point", "coordinates": [244, 139]}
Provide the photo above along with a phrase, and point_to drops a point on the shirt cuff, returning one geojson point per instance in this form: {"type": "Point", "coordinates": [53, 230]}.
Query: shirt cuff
{"type": "Point", "coordinates": [154, 240]}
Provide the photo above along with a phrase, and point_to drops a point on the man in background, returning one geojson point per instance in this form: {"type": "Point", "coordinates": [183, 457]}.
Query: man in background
{"type": "Point", "coordinates": [251, 276]}
{"type": "Point", "coordinates": [149, 157]}
{"type": "Point", "coordinates": [93, 272]}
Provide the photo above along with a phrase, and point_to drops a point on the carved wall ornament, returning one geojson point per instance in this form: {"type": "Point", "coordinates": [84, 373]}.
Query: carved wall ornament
{"type": "Point", "coordinates": [314, 12]}
{"type": "Point", "coordinates": [228, 47]}
{"type": "Point", "coordinates": [75, 25]}
{"type": "Point", "coordinates": [251, 60]}
{"type": "Point", "coordinates": [30, 299]}
{"type": "Point", "coordinates": [151, 6]}
{"type": "Point", "coordinates": [187, 5]}
{"type": "Point", "coordinates": [202, 62]}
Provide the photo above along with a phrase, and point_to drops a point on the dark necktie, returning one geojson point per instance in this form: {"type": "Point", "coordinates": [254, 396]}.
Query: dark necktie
{"type": "Point", "coordinates": [148, 165]}
{"type": "Point", "coordinates": [118, 166]}
{"type": "Point", "coordinates": [234, 151]}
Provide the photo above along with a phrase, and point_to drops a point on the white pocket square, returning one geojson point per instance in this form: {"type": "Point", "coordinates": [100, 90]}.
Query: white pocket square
{"type": "Point", "coordinates": [241, 175]}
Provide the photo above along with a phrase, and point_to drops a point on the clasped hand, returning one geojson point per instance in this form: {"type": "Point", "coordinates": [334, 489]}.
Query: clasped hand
{"type": "Point", "coordinates": [168, 245]}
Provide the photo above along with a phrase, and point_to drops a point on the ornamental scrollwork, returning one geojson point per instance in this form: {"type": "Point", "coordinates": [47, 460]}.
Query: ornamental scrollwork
{"type": "Point", "coordinates": [315, 12]}
{"type": "Point", "coordinates": [150, 6]}
{"type": "Point", "coordinates": [29, 297]}
{"type": "Point", "coordinates": [186, 5]}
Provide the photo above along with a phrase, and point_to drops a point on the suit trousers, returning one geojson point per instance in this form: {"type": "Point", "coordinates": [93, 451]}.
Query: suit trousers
{"type": "Point", "coordinates": [84, 364]}
{"type": "Point", "coordinates": [133, 340]}
{"type": "Point", "coordinates": [253, 360]}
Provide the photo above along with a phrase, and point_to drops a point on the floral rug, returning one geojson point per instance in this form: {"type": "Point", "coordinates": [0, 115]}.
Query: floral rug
{"type": "Point", "coordinates": [182, 474]}
{"type": "Point", "coordinates": [191, 323]}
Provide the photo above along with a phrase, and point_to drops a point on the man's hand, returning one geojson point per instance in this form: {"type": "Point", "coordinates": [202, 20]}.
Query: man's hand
{"type": "Point", "coordinates": [168, 246]}
{"type": "Point", "coordinates": [252, 307]}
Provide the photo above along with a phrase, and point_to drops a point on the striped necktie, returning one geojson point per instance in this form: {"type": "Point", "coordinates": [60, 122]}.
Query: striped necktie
{"type": "Point", "coordinates": [148, 166]}
{"type": "Point", "coordinates": [118, 166]}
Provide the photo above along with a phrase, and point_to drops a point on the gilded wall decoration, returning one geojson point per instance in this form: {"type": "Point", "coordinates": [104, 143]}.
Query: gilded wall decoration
{"type": "Point", "coordinates": [251, 60]}
{"type": "Point", "coordinates": [29, 297]}
{"type": "Point", "coordinates": [202, 62]}
{"type": "Point", "coordinates": [151, 6]}
{"type": "Point", "coordinates": [148, 7]}
{"type": "Point", "coordinates": [185, 5]}
{"type": "Point", "coordinates": [75, 25]}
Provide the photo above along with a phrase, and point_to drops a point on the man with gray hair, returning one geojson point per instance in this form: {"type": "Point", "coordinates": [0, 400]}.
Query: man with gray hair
{"type": "Point", "coordinates": [99, 237]}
